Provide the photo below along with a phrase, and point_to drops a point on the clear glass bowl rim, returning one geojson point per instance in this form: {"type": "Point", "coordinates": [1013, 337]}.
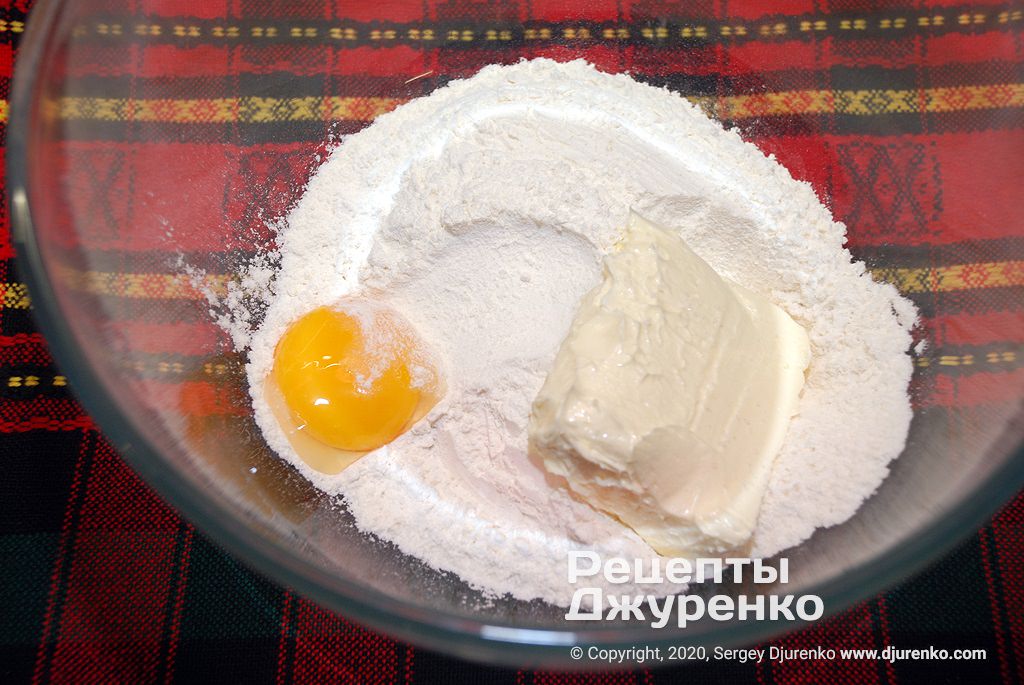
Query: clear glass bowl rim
{"type": "Point", "coordinates": [490, 641]}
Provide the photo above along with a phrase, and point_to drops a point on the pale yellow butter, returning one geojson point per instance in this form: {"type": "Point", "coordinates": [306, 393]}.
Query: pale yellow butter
{"type": "Point", "coordinates": [670, 397]}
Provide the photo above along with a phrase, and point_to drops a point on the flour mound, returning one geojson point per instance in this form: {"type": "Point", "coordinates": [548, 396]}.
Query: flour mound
{"type": "Point", "coordinates": [481, 213]}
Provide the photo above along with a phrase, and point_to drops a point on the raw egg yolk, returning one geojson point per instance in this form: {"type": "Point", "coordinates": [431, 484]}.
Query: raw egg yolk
{"type": "Point", "coordinates": [348, 381]}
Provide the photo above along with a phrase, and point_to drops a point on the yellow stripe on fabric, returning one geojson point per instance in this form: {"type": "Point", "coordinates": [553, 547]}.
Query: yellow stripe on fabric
{"type": "Point", "coordinates": [224, 110]}
{"type": "Point", "coordinates": [158, 286]}
{"type": "Point", "coordinates": [12, 26]}
{"type": "Point", "coordinates": [955, 277]}
{"type": "Point", "coordinates": [866, 102]}
{"type": "Point", "coordinates": [257, 110]}
{"type": "Point", "coordinates": [15, 296]}
{"type": "Point", "coordinates": [152, 286]}
{"type": "Point", "coordinates": [36, 381]}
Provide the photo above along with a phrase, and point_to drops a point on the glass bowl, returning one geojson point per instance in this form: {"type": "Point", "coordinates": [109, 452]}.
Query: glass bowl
{"type": "Point", "coordinates": [170, 131]}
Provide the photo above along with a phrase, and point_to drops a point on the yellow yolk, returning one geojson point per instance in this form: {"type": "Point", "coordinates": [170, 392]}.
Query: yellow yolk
{"type": "Point", "coordinates": [343, 385]}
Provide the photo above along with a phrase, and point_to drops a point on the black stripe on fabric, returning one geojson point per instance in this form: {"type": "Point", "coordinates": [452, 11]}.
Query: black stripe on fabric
{"type": "Point", "coordinates": [1004, 299]}
{"type": "Point", "coordinates": [45, 388]}
{"type": "Point", "coordinates": [775, 126]}
{"type": "Point", "coordinates": [986, 539]}
{"type": "Point", "coordinates": [178, 581]}
{"type": "Point", "coordinates": [972, 121]}
{"type": "Point", "coordinates": [790, 126]}
{"type": "Point", "coordinates": [250, 660]}
{"type": "Point", "coordinates": [287, 84]}
{"type": "Point", "coordinates": [656, 31]}
{"type": "Point", "coordinates": [17, 662]}
{"type": "Point", "coordinates": [237, 134]}
{"type": "Point", "coordinates": [284, 84]}
{"type": "Point", "coordinates": [14, 321]}
{"type": "Point", "coordinates": [38, 471]}
{"type": "Point", "coordinates": [35, 380]}
{"type": "Point", "coordinates": [12, 17]}
{"type": "Point", "coordinates": [276, 84]}
{"type": "Point", "coordinates": [976, 355]}
{"type": "Point", "coordinates": [17, 321]}
{"type": "Point", "coordinates": [875, 256]}
{"type": "Point", "coordinates": [982, 73]}
{"type": "Point", "coordinates": [946, 607]}
{"type": "Point", "coordinates": [86, 457]}
{"type": "Point", "coordinates": [891, 78]}
{"type": "Point", "coordinates": [219, 586]}
{"type": "Point", "coordinates": [26, 563]}
{"type": "Point", "coordinates": [245, 645]}
{"type": "Point", "coordinates": [713, 671]}
{"type": "Point", "coordinates": [688, 84]}
{"type": "Point", "coordinates": [432, 667]}
{"type": "Point", "coordinates": [888, 124]}
{"type": "Point", "coordinates": [929, 255]}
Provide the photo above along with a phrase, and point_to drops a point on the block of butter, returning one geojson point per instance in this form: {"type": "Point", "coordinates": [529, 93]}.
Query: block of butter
{"type": "Point", "coordinates": [670, 397]}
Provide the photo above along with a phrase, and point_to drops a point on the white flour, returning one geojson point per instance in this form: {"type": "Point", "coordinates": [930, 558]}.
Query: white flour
{"type": "Point", "coordinates": [481, 214]}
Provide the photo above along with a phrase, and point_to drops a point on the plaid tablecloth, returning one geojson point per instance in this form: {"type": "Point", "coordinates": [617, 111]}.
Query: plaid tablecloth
{"type": "Point", "coordinates": [79, 604]}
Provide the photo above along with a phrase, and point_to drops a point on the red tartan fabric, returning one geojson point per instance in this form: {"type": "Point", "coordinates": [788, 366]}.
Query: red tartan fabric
{"type": "Point", "coordinates": [893, 115]}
